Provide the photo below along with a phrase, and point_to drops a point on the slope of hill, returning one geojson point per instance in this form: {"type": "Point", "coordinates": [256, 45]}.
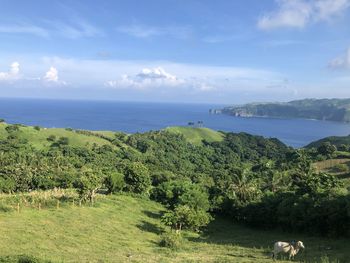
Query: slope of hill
{"type": "Point", "coordinates": [197, 135]}
{"type": "Point", "coordinates": [320, 109]}
{"type": "Point", "coordinates": [121, 228]}
{"type": "Point", "coordinates": [335, 140]}
{"type": "Point", "coordinates": [38, 138]}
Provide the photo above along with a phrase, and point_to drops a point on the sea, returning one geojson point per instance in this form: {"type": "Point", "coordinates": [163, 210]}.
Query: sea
{"type": "Point", "coordinates": [132, 117]}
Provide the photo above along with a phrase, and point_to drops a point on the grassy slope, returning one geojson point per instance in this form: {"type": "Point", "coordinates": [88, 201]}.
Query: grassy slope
{"type": "Point", "coordinates": [38, 138]}
{"type": "Point", "coordinates": [196, 135]}
{"type": "Point", "coordinates": [123, 225]}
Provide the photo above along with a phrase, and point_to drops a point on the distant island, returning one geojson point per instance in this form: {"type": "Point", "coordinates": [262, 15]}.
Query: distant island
{"type": "Point", "coordinates": [318, 109]}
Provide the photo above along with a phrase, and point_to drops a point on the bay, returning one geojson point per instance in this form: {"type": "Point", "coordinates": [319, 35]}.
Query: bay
{"type": "Point", "coordinates": [131, 117]}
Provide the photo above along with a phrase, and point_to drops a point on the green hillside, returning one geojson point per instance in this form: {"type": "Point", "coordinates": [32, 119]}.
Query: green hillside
{"type": "Point", "coordinates": [197, 135]}
{"type": "Point", "coordinates": [134, 188]}
{"type": "Point", "coordinates": [122, 228]}
{"type": "Point", "coordinates": [38, 138]}
{"type": "Point", "coordinates": [335, 140]}
{"type": "Point", "coordinates": [319, 109]}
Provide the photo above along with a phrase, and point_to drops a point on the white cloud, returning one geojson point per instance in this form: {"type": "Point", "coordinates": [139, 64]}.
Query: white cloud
{"type": "Point", "coordinates": [299, 13]}
{"type": "Point", "coordinates": [12, 74]}
{"type": "Point", "coordinates": [341, 62]}
{"type": "Point", "coordinates": [147, 78]}
{"type": "Point", "coordinates": [51, 75]}
{"type": "Point", "coordinates": [51, 78]}
{"type": "Point", "coordinates": [325, 9]}
{"type": "Point", "coordinates": [156, 73]}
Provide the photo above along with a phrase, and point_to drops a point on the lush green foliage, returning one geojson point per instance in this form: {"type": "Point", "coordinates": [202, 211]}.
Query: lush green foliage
{"type": "Point", "coordinates": [122, 228]}
{"type": "Point", "coordinates": [253, 180]}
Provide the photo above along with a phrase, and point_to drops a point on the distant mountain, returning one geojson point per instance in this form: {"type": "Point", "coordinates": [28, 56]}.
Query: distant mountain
{"type": "Point", "coordinates": [319, 109]}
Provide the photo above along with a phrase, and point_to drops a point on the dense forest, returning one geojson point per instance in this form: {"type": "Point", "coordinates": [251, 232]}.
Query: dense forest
{"type": "Point", "coordinates": [250, 179]}
{"type": "Point", "coordinates": [319, 109]}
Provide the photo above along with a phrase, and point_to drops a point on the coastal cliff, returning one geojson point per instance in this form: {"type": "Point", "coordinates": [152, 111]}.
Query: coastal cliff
{"type": "Point", "coordinates": [319, 109]}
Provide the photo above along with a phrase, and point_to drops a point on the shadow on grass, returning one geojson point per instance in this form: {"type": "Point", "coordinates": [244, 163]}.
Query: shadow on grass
{"type": "Point", "coordinates": [223, 231]}
{"type": "Point", "coordinates": [152, 214]}
{"type": "Point", "coordinates": [150, 227]}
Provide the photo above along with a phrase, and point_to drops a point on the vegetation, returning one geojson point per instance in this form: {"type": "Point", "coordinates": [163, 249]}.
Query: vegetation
{"type": "Point", "coordinates": [197, 135]}
{"type": "Point", "coordinates": [320, 109]}
{"type": "Point", "coordinates": [341, 142]}
{"type": "Point", "coordinates": [126, 228]}
{"type": "Point", "coordinates": [196, 175]}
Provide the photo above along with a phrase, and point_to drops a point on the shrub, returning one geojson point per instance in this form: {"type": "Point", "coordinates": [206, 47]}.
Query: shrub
{"type": "Point", "coordinates": [37, 128]}
{"type": "Point", "coordinates": [114, 182]}
{"type": "Point", "coordinates": [171, 240]}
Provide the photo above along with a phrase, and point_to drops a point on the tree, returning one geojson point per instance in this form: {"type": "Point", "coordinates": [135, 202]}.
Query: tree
{"type": "Point", "coordinates": [326, 149]}
{"type": "Point", "coordinates": [243, 187]}
{"type": "Point", "coordinates": [137, 178]}
{"type": "Point", "coordinates": [344, 147]}
{"type": "Point", "coordinates": [88, 183]}
{"type": "Point", "coordinates": [114, 182]}
{"type": "Point", "coordinates": [185, 217]}
{"type": "Point", "coordinates": [181, 192]}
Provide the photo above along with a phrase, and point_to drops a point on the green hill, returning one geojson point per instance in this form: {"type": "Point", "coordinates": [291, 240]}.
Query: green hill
{"type": "Point", "coordinates": [319, 109]}
{"type": "Point", "coordinates": [243, 176]}
{"type": "Point", "coordinates": [335, 140]}
{"type": "Point", "coordinates": [38, 138]}
{"type": "Point", "coordinates": [122, 228]}
{"type": "Point", "coordinates": [197, 135]}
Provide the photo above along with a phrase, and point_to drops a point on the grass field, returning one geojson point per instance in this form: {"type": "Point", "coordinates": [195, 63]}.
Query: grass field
{"type": "Point", "coordinates": [39, 138]}
{"type": "Point", "coordinates": [197, 135]}
{"type": "Point", "coordinates": [126, 229]}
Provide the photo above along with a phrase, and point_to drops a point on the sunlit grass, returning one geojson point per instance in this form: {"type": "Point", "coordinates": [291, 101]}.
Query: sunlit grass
{"type": "Point", "coordinates": [126, 229]}
{"type": "Point", "coordinates": [197, 135]}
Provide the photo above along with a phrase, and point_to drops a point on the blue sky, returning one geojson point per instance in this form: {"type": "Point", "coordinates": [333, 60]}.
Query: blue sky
{"type": "Point", "coordinates": [175, 50]}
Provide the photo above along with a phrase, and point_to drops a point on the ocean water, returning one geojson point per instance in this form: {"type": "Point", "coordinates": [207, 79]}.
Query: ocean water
{"type": "Point", "coordinates": [131, 117]}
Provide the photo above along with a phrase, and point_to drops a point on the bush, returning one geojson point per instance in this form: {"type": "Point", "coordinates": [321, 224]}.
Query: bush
{"type": "Point", "coordinates": [37, 128]}
{"type": "Point", "coordinates": [171, 240]}
{"type": "Point", "coordinates": [114, 182]}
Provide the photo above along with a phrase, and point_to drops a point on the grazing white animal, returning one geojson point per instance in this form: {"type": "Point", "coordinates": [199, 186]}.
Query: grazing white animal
{"type": "Point", "coordinates": [287, 248]}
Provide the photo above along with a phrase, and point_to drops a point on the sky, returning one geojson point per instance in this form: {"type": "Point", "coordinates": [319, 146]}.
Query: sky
{"type": "Point", "coordinates": [199, 51]}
